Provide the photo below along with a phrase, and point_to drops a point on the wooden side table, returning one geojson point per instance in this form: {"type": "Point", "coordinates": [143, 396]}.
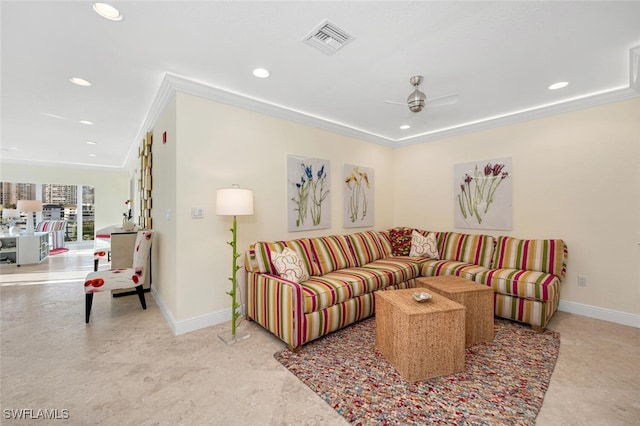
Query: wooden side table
{"type": "Point", "coordinates": [421, 340]}
{"type": "Point", "coordinates": [476, 297]}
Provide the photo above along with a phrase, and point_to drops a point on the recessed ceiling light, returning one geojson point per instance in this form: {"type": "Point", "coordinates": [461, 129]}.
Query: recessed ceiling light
{"type": "Point", "coordinates": [13, 148]}
{"type": "Point", "coordinates": [87, 122]}
{"type": "Point", "coordinates": [90, 143]}
{"type": "Point", "coordinates": [80, 81]}
{"type": "Point", "coordinates": [405, 127]}
{"type": "Point", "coordinates": [261, 73]}
{"type": "Point", "coordinates": [558, 85]}
{"type": "Point", "coordinates": [107, 11]}
{"type": "Point", "coordinates": [92, 155]}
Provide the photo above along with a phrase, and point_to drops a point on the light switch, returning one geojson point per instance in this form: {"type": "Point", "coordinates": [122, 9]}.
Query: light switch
{"type": "Point", "coordinates": [168, 214]}
{"type": "Point", "coordinates": [197, 213]}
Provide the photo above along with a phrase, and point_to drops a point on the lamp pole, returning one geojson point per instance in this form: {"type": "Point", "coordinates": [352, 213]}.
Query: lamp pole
{"type": "Point", "coordinates": [234, 268]}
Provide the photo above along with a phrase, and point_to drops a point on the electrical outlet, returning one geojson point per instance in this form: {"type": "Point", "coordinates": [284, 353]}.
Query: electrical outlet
{"type": "Point", "coordinates": [582, 281]}
{"type": "Point", "coordinates": [197, 213]}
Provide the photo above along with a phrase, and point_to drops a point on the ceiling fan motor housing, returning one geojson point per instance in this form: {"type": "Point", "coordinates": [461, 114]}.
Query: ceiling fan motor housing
{"type": "Point", "coordinates": [416, 101]}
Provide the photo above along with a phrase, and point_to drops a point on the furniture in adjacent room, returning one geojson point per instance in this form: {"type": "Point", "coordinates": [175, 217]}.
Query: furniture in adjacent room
{"type": "Point", "coordinates": [56, 230]}
{"type": "Point", "coordinates": [118, 278]}
{"type": "Point", "coordinates": [475, 297]}
{"type": "Point", "coordinates": [420, 339]}
{"type": "Point", "coordinates": [24, 249]}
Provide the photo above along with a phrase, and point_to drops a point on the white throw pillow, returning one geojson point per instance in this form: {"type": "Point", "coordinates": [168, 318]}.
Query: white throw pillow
{"type": "Point", "coordinates": [424, 246]}
{"type": "Point", "coordinates": [289, 265]}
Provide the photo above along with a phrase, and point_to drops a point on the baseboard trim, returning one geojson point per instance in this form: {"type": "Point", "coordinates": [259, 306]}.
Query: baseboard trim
{"type": "Point", "coordinates": [191, 324]}
{"type": "Point", "coordinates": [596, 312]}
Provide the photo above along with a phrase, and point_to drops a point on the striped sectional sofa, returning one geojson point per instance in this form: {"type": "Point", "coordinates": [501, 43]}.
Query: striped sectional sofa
{"type": "Point", "coordinates": [340, 274]}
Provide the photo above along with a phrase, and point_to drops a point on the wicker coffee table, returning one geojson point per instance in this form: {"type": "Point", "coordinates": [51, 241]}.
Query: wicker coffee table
{"type": "Point", "coordinates": [421, 340]}
{"type": "Point", "coordinates": [477, 298]}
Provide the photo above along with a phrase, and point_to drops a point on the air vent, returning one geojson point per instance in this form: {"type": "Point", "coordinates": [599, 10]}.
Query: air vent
{"type": "Point", "coordinates": [328, 38]}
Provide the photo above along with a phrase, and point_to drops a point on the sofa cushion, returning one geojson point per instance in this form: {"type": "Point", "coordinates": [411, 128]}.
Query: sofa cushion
{"type": "Point", "coordinates": [433, 268]}
{"type": "Point", "coordinates": [534, 255]}
{"type": "Point", "coordinates": [289, 265]}
{"type": "Point", "coordinates": [533, 285]}
{"type": "Point", "coordinates": [366, 246]}
{"type": "Point", "coordinates": [398, 268]}
{"type": "Point", "coordinates": [332, 253]}
{"type": "Point", "coordinates": [263, 249]}
{"type": "Point", "coordinates": [385, 240]}
{"type": "Point", "coordinates": [467, 248]}
{"type": "Point", "coordinates": [424, 245]}
{"type": "Point", "coordinates": [400, 241]}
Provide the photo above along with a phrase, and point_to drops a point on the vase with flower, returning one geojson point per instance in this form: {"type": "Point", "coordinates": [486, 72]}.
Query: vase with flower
{"type": "Point", "coordinates": [127, 225]}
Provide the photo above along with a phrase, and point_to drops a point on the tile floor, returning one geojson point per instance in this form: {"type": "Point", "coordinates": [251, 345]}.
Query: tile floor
{"type": "Point", "coordinates": [127, 368]}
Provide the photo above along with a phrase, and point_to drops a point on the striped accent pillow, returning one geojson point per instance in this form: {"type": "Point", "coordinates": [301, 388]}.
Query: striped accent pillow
{"type": "Point", "coordinates": [366, 246]}
{"type": "Point", "coordinates": [476, 249]}
{"type": "Point", "coordinates": [531, 255]}
{"type": "Point", "coordinates": [332, 253]}
{"type": "Point", "coordinates": [250, 261]}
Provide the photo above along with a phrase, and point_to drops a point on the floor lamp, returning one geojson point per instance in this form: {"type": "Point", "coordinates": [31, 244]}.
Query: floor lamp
{"type": "Point", "coordinates": [29, 207]}
{"type": "Point", "coordinates": [234, 201]}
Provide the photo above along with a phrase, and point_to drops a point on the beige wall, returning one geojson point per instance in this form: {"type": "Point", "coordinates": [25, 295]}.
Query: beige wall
{"type": "Point", "coordinates": [111, 186]}
{"type": "Point", "coordinates": [218, 145]}
{"type": "Point", "coordinates": [164, 192]}
{"type": "Point", "coordinates": [576, 176]}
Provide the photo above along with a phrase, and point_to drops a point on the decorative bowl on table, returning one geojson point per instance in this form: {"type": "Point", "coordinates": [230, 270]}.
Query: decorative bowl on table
{"type": "Point", "coordinates": [422, 296]}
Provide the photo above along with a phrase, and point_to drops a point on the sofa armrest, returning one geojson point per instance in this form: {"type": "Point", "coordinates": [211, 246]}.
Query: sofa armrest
{"type": "Point", "coordinates": [276, 304]}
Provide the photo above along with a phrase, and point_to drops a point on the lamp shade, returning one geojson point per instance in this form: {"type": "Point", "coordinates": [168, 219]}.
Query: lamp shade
{"type": "Point", "coordinates": [234, 202]}
{"type": "Point", "coordinates": [29, 206]}
{"type": "Point", "coordinates": [10, 213]}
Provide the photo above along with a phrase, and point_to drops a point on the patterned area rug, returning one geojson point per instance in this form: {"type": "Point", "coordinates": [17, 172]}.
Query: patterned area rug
{"type": "Point", "coordinates": [504, 381]}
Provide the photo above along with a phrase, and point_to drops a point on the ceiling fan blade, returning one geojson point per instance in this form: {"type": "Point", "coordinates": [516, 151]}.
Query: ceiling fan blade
{"type": "Point", "coordinates": [395, 103]}
{"type": "Point", "coordinates": [443, 100]}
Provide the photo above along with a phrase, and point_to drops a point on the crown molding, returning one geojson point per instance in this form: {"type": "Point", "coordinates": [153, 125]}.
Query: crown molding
{"type": "Point", "coordinates": [172, 83]}
{"type": "Point", "coordinates": [588, 101]}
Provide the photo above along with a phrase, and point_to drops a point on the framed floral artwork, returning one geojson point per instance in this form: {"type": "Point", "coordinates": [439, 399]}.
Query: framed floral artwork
{"type": "Point", "coordinates": [483, 194]}
{"type": "Point", "coordinates": [308, 204]}
{"type": "Point", "coordinates": [358, 196]}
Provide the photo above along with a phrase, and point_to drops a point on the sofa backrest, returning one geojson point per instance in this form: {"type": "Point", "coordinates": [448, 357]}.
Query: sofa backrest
{"type": "Point", "coordinates": [332, 253]}
{"type": "Point", "coordinates": [385, 240]}
{"type": "Point", "coordinates": [260, 256]}
{"type": "Point", "coordinates": [367, 246]}
{"type": "Point", "coordinates": [534, 255]}
{"type": "Point", "coordinates": [475, 249]}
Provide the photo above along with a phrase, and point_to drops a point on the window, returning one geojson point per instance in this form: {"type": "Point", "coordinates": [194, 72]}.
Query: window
{"type": "Point", "coordinates": [59, 202]}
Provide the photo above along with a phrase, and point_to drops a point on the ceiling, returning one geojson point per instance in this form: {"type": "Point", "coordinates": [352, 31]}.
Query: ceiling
{"type": "Point", "coordinates": [497, 57]}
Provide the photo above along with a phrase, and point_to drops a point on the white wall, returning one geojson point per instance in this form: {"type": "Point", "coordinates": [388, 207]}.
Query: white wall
{"type": "Point", "coordinates": [576, 176]}
{"type": "Point", "coordinates": [111, 186]}
{"type": "Point", "coordinates": [218, 145]}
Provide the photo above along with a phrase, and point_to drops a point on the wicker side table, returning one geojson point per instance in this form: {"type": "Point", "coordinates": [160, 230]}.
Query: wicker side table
{"type": "Point", "coordinates": [421, 340]}
{"type": "Point", "coordinates": [477, 298]}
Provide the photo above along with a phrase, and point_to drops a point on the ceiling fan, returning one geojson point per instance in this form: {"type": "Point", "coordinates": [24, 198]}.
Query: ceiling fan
{"type": "Point", "coordinates": [417, 99]}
